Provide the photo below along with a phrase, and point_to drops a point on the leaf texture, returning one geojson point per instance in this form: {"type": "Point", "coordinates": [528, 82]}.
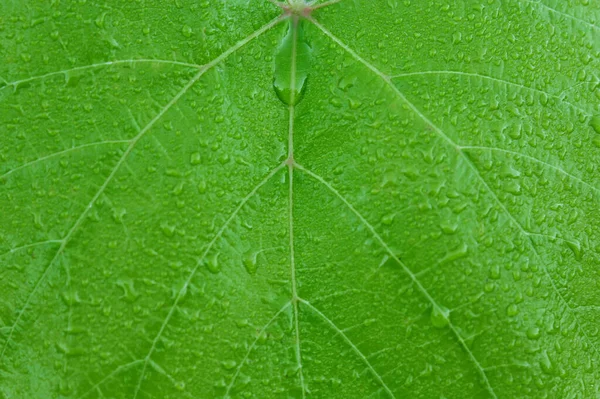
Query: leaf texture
{"type": "Point", "coordinates": [418, 219]}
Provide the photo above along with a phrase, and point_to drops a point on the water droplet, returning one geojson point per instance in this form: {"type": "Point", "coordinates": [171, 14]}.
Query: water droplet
{"type": "Point", "coordinates": [513, 187]}
{"type": "Point", "coordinates": [575, 246]}
{"type": "Point", "coordinates": [70, 297]}
{"type": "Point", "coordinates": [229, 364]}
{"type": "Point", "coordinates": [212, 263]}
{"type": "Point", "coordinates": [440, 316]}
{"type": "Point", "coordinates": [292, 62]}
{"type": "Point", "coordinates": [202, 187]}
{"type": "Point", "coordinates": [249, 260]}
{"type": "Point", "coordinates": [513, 131]}
{"type": "Point", "coordinates": [458, 253]}
{"type": "Point", "coordinates": [224, 159]}
{"type": "Point", "coordinates": [456, 37]}
{"type": "Point", "coordinates": [195, 158]}
{"type": "Point", "coordinates": [545, 363]}
{"type": "Point", "coordinates": [509, 171]}
{"type": "Point", "coordinates": [220, 383]}
{"type": "Point", "coordinates": [100, 20]}
{"type": "Point", "coordinates": [65, 388]}
{"type": "Point", "coordinates": [449, 228]}
{"type": "Point", "coordinates": [291, 371]}
{"type": "Point", "coordinates": [243, 380]}
{"type": "Point", "coordinates": [533, 333]}
{"type": "Point", "coordinates": [118, 214]}
{"type": "Point", "coordinates": [595, 123]}
{"type": "Point", "coordinates": [512, 310]}
{"type": "Point", "coordinates": [388, 219]}
{"type": "Point", "coordinates": [167, 229]}
{"type": "Point", "coordinates": [178, 189]}
{"type": "Point", "coordinates": [242, 323]}
{"type": "Point", "coordinates": [186, 31]}
{"type": "Point", "coordinates": [173, 172]}
{"type": "Point", "coordinates": [37, 221]}
{"type": "Point", "coordinates": [63, 347]}
{"type": "Point", "coordinates": [129, 292]}
{"type": "Point", "coordinates": [489, 287]}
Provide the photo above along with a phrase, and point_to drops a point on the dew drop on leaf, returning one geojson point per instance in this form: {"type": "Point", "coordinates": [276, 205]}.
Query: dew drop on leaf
{"type": "Point", "coordinates": [456, 254]}
{"type": "Point", "coordinates": [249, 260]}
{"type": "Point", "coordinates": [440, 316]}
{"type": "Point", "coordinates": [167, 229]}
{"type": "Point", "coordinates": [195, 158]}
{"type": "Point", "coordinates": [229, 364]}
{"type": "Point", "coordinates": [512, 310]}
{"type": "Point", "coordinates": [449, 228]}
{"type": "Point", "coordinates": [545, 363]}
{"type": "Point", "coordinates": [533, 333]}
{"type": "Point", "coordinates": [292, 62]}
{"type": "Point", "coordinates": [595, 123]}
{"type": "Point", "coordinates": [575, 246]}
{"type": "Point", "coordinates": [212, 263]}
{"type": "Point", "coordinates": [180, 385]}
{"type": "Point", "coordinates": [186, 31]}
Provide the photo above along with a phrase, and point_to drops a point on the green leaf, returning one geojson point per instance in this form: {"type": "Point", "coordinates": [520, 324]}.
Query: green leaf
{"type": "Point", "coordinates": [345, 199]}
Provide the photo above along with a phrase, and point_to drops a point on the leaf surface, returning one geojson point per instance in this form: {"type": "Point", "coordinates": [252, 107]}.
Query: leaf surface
{"type": "Point", "coordinates": [350, 199]}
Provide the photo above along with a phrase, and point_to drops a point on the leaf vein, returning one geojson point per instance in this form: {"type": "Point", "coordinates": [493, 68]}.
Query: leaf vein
{"type": "Point", "coordinates": [491, 78]}
{"type": "Point", "coordinates": [120, 162]}
{"type": "Point", "coordinates": [409, 272]}
{"type": "Point", "coordinates": [59, 153]}
{"type": "Point", "coordinates": [98, 65]}
{"type": "Point", "coordinates": [350, 343]}
{"type": "Point", "coordinates": [183, 289]}
{"type": "Point", "coordinates": [533, 159]}
{"type": "Point", "coordinates": [253, 345]}
{"type": "Point", "coordinates": [547, 7]}
{"type": "Point", "coordinates": [457, 147]}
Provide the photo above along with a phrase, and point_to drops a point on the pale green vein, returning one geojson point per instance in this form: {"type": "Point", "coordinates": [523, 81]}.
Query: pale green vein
{"type": "Point", "coordinates": [200, 262]}
{"type": "Point", "coordinates": [99, 192]}
{"type": "Point", "coordinates": [587, 307]}
{"type": "Point", "coordinates": [63, 152]}
{"type": "Point", "coordinates": [383, 77]}
{"type": "Point", "coordinates": [358, 352]}
{"type": "Point", "coordinates": [491, 78]}
{"type": "Point", "coordinates": [66, 239]}
{"type": "Point", "coordinates": [469, 163]}
{"type": "Point", "coordinates": [253, 345]}
{"type": "Point", "coordinates": [407, 271]}
{"type": "Point", "coordinates": [572, 17]}
{"type": "Point", "coordinates": [533, 159]}
{"type": "Point", "coordinates": [107, 377]}
{"type": "Point", "coordinates": [98, 65]}
{"type": "Point", "coordinates": [290, 165]}
{"type": "Point", "coordinates": [572, 243]}
{"type": "Point", "coordinates": [370, 227]}
{"type": "Point", "coordinates": [35, 244]}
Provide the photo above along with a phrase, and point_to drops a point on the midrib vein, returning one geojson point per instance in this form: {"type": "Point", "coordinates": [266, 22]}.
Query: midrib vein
{"type": "Point", "coordinates": [290, 165]}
